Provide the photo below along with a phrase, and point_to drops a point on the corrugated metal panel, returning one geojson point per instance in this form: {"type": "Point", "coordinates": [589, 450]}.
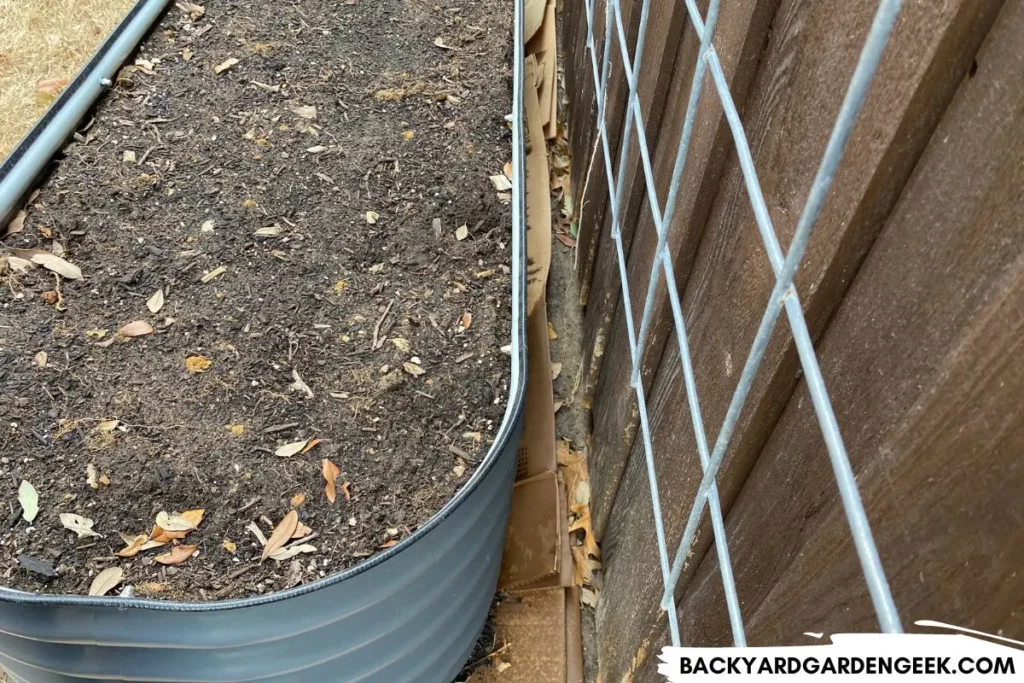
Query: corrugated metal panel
{"type": "Point", "coordinates": [411, 614]}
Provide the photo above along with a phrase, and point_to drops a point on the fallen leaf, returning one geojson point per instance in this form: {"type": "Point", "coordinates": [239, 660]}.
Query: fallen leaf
{"type": "Point", "coordinates": [51, 297]}
{"type": "Point", "coordinates": [254, 528]}
{"type": "Point", "coordinates": [225, 65]}
{"type": "Point", "coordinates": [440, 43]}
{"type": "Point", "coordinates": [193, 10]}
{"type": "Point", "coordinates": [229, 545]}
{"type": "Point", "coordinates": [291, 551]}
{"type": "Point", "coordinates": [17, 224]}
{"type": "Point", "coordinates": [301, 531]}
{"type": "Point", "coordinates": [128, 157]}
{"type": "Point", "coordinates": [345, 491]}
{"type": "Point", "coordinates": [106, 580]}
{"type": "Point", "coordinates": [306, 111]}
{"type": "Point", "coordinates": [50, 261]}
{"type": "Point", "coordinates": [556, 370]}
{"type": "Point", "coordinates": [298, 499]}
{"type": "Point", "coordinates": [133, 547]}
{"type": "Point", "coordinates": [237, 430]}
{"type": "Point", "coordinates": [588, 597]}
{"type": "Point", "coordinates": [290, 449]}
{"type": "Point", "coordinates": [507, 170]}
{"type": "Point", "coordinates": [137, 328]}
{"type": "Point", "coordinates": [316, 149]}
{"type": "Point", "coordinates": [197, 364]}
{"type": "Point", "coordinates": [150, 588]}
{"type": "Point", "coordinates": [177, 555]}
{"type": "Point", "coordinates": [459, 470]}
{"type": "Point", "coordinates": [219, 270]}
{"type": "Point", "coordinates": [371, 217]}
{"type": "Point", "coordinates": [29, 499]}
{"type": "Point", "coordinates": [401, 344]}
{"type": "Point", "coordinates": [95, 334]}
{"type": "Point", "coordinates": [331, 473]}
{"type": "Point", "coordinates": [310, 445]}
{"type": "Point", "coordinates": [40, 359]}
{"type": "Point", "coordinates": [107, 425]}
{"type": "Point", "coordinates": [501, 667]}
{"type": "Point", "coordinates": [105, 480]}
{"type": "Point", "coordinates": [552, 335]}
{"type": "Point", "coordinates": [299, 385]}
{"type": "Point", "coordinates": [193, 517]}
{"type": "Point", "coordinates": [413, 369]}
{"type": "Point", "coordinates": [462, 232]}
{"type": "Point", "coordinates": [186, 54]}
{"type": "Point", "coordinates": [282, 532]}
{"type": "Point", "coordinates": [80, 525]}
{"type": "Point", "coordinates": [155, 302]}
{"type": "Point", "coordinates": [388, 544]}
{"type": "Point", "coordinates": [175, 522]}
{"type": "Point", "coordinates": [408, 135]}
{"type": "Point", "coordinates": [466, 320]}
{"type": "Point", "coordinates": [501, 183]}
{"type": "Point", "coordinates": [158, 536]}
{"type": "Point", "coordinates": [90, 476]}
{"type": "Point", "coordinates": [340, 286]}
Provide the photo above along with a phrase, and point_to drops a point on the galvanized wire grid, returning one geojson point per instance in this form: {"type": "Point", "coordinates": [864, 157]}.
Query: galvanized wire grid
{"type": "Point", "coordinates": [783, 295]}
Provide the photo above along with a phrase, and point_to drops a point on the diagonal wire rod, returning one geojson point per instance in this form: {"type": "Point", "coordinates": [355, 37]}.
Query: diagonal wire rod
{"type": "Point", "coordinates": [784, 295]}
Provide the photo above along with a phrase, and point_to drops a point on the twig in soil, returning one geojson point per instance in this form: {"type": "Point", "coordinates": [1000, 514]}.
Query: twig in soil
{"type": "Point", "coordinates": [273, 429]}
{"type": "Point", "coordinates": [377, 341]}
{"type": "Point", "coordinates": [463, 454]}
{"type": "Point", "coordinates": [246, 506]}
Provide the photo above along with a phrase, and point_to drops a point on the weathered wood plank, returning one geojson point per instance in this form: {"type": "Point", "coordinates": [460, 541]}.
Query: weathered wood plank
{"type": "Point", "coordinates": [580, 89]}
{"type": "Point", "coordinates": [740, 38]}
{"type": "Point", "coordinates": [592, 199]}
{"type": "Point", "coordinates": [811, 54]}
{"type": "Point", "coordinates": [666, 26]}
{"type": "Point", "coordinates": [923, 363]}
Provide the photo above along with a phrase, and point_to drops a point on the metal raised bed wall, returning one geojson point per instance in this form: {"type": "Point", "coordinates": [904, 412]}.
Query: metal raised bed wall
{"type": "Point", "coordinates": [411, 614]}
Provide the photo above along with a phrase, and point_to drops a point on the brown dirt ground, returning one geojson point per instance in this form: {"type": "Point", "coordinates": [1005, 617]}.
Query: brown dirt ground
{"type": "Point", "coordinates": [178, 170]}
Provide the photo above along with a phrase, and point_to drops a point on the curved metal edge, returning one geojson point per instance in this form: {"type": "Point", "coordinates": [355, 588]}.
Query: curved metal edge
{"type": "Point", "coordinates": [24, 165]}
{"type": "Point", "coordinates": [42, 134]}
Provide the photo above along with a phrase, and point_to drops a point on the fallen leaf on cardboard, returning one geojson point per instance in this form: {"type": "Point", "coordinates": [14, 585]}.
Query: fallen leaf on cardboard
{"type": "Point", "coordinates": [282, 532]}
{"type": "Point", "coordinates": [28, 497]}
{"type": "Point", "coordinates": [106, 580]}
{"type": "Point", "coordinates": [225, 65]}
{"type": "Point", "coordinates": [461, 232]}
{"type": "Point", "coordinates": [413, 369]}
{"type": "Point", "coordinates": [80, 525]}
{"type": "Point", "coordinates": [177, 555]}
{"type": "Point", "coordinates": [306, 111]}
{"type": "Point", "coordinates": [197, 364]}
{"type": "Point", "coordinates": [291, 551]}
{"type": "Point", "coordinates": [175, 522]}
{"type": "Point", "coordinates": [155, 302]}
{"type": "Point", "coordinates": [219, 270]}
{"type": "Point", "coordinates": [501, 183]}
{"type": "Point", "coordinates": [137, 328]}
{"type": "Point", "coordinates": [372, 217]}
{"type": "Point", "coordinates": [290, 449]}
{"type": "Point", "coordinates": [134, 546]}
{"type": "Point", "coordinates": [331, 473]}
{"type": "Point", "coordinates": [229, 545]}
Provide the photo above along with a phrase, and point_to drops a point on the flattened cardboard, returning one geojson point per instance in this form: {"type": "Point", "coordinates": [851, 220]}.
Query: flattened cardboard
{"type": "Point", "coordinates": [538, 197]}
{"type": "Point", "coordinates": [533, 627]}
{"type": "Point", "coordinates": [573, 637]}
{"type": "Point", "coordinates": [533, 544]}
{"type": "Point", "coordinates": [536, 451]}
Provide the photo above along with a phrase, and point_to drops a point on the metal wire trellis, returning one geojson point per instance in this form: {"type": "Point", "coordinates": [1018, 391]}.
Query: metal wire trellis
{"type": "Point", "coordinates": [783, 296]}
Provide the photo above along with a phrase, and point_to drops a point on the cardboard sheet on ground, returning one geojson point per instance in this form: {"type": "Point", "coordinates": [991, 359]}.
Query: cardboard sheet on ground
{"type": "Point", "coordinates": [533, 626]}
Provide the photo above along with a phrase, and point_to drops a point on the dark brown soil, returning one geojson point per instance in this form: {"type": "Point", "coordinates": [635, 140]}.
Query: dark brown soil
{"type": "Point", "coordinates": [403, 128]}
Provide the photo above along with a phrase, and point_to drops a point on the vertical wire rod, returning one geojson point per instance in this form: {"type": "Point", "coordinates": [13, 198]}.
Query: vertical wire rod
{"type": "Point", "coordinates": [784, 294]}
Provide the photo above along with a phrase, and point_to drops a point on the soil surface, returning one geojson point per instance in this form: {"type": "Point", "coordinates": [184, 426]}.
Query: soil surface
{"type": "Point", "coordinates": [299, 210]}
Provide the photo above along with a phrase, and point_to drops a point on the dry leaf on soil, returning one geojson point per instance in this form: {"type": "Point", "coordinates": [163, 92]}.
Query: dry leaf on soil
{"type": "Point", "coordinates": [306, 111]}
{"type": "Point", "coordinates": [298, 499]}
{"type": "Point", "coordinates": [372, 217]}
{"type": "Point", "coordinates": [177, 555]}
{"type": "Point", "coordinates": [501, 183]}
{"type": "Point", "coordinates": [40, 359]}
{"type": "Point", "coordinates": [290, 449]}
{"type": "Point", "coordinates": [462, 232]}
{"type": "Point", "coordinates": [219, 270]}
{"type": "Point", "coordinates": [29, 499]}
{"type": "Point", "coordinates": [17, 224]}
{"type": "Point", "coordinates": [134, 546]}
{"type": "Point", "coordinates": [301, 531]}
{"type": "Point", "coordinates": [137, 328]}
{"type": "Point", "coordinates": [413, 369]}
{"type": "Point", "coordinates": [331, 473]}
{"type": "Point", "coordinates": [229, 545]}
{"type": "Point", "coordinates": [176, 522]}
{"type": "Point", "coordinates": [345, 491]}
{"type": "Point", "coordinates": [50, 262]}
{"type": "Point", "coordinates": [291, 551]}
{"type": "Point", "coordinates": [197, 364]}
{"type": "Point", "coordinates": [225, 65]}
{"type": "Point", "coordinates": [441, 44]}
{"type": "Point", "coordinates": [155, 302]}
{"type": "Point", "coordinates": [80, 525]}
{"type": "Point", "coordinates": [282, 532]}
{"type": "Point", "coordinates": [106, 580]}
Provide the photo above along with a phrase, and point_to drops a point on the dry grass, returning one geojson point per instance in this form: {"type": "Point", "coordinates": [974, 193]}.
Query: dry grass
{"type": "Point", "coordinates": [41, 40]}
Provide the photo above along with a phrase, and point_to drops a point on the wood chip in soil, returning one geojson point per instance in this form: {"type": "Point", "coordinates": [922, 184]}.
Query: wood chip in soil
{"type": "Point", "coordinates": [198, 181]}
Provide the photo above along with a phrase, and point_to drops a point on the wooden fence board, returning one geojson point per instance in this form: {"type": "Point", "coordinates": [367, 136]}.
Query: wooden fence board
{"type": "Point", "coordinates": [809, 60]}
{"type": "Point", "coordinates": [666, 26]}
{"type": "Point", "coordinates": [579, 84]}
{"type": "Point", "coordinates": [923, 365]}
{"type": "Point", "coordinates": [740, 38]}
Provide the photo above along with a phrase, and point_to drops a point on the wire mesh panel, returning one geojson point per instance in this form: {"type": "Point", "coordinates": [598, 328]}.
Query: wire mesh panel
{"type": "Point", "coordinates": [783, 296]}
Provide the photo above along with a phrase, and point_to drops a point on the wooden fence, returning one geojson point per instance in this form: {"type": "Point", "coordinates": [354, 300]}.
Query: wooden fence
{"type": "Point", "coordinates": [913, 290]}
